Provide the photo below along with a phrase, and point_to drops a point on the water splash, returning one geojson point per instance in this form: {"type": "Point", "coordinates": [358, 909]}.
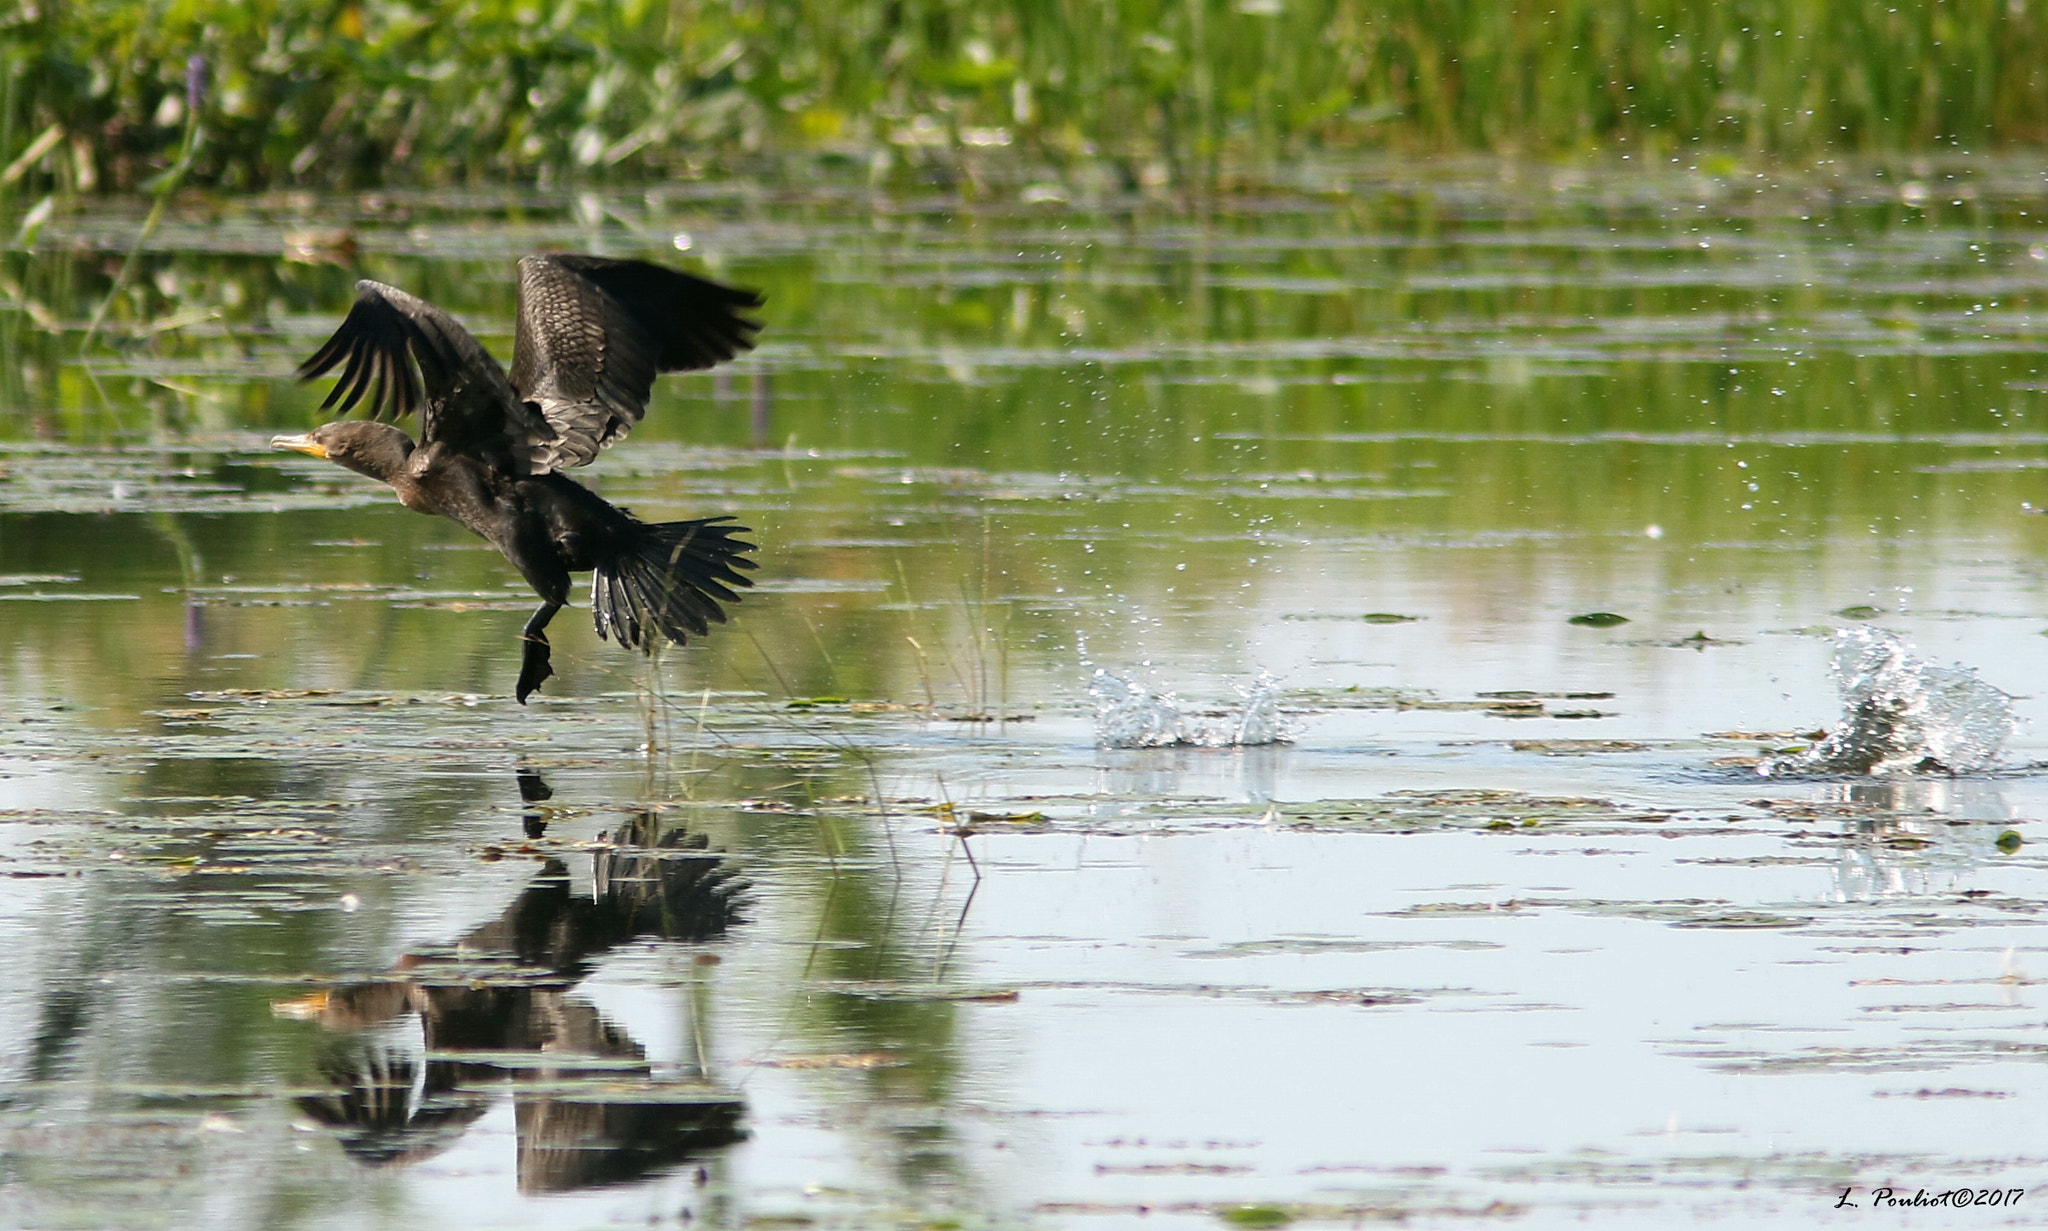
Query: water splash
{"type": "Point", "coordinates": [1903, 714]}
{"type": "Point", "coordinates": [1129, 715]}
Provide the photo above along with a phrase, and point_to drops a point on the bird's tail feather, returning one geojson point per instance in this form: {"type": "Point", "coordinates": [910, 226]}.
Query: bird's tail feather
{"type": "Point", "coordinates": [669, 585]}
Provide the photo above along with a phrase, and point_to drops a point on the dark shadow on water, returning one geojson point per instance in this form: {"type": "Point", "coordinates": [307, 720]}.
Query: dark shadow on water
{"type": "Point", "coordinates": [416, 1057]}
{"type": "Point", "coordinates": [61, 1020]}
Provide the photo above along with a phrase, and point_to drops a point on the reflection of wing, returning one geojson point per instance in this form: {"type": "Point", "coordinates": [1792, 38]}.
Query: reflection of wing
{"type": "Point", "coordinates": [594, 333]}
{"type": "Point", "coordinates": [608, 1136]}
{"type": "Point", "coordinates": [404, 355]}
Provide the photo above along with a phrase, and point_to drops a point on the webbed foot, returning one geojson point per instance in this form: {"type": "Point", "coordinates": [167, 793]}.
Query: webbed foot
{"type": "Point", "coordinates": [533, 665]}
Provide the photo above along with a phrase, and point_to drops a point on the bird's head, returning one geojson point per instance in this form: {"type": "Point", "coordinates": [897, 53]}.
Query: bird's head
{"type": "Point", "coordinates": [363, 445]}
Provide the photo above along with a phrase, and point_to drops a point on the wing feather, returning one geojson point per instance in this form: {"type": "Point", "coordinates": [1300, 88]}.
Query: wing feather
{"type": "Point", "coordinates": [595, 332]}
{"type": "Point", "coordinates": [401, 355]}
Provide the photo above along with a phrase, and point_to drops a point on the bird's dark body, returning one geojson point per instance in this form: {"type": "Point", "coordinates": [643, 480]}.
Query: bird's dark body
{"type": "Point", "coordinates": [547, 525]}
{"type": "Point", "coordinates": [593, 333]}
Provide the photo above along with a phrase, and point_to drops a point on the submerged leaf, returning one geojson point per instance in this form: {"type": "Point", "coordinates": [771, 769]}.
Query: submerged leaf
{"type": "Point", "coordinates": [1598, 619]}
{"type": "Point", "coordinates": [1255, 1216]}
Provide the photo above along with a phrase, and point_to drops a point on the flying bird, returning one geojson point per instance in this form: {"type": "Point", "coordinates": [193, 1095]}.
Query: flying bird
{"type": "Point", "coordinates": [592, 335]}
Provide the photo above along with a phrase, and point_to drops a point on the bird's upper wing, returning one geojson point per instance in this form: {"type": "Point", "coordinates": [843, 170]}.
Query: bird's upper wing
{"type": "Point", "coordinates": [403, 354]}
{"type": "Point", "coordinates": [594, 333]}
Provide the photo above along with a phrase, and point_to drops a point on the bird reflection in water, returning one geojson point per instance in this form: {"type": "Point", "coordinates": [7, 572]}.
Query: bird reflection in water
{"type": "Point", "coordinates": [533, 789]}
{"type": "Point", "coordinates": [418, 1056]}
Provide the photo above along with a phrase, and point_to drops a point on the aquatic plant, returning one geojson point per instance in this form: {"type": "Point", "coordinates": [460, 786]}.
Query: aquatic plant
{"type": "Point", "coordinates": [385, 92]}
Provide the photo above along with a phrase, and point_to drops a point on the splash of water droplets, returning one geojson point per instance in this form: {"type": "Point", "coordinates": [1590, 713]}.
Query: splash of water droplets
{"type": "Point", "coordinates": [1903, 714]}
{"type": "Point", "coordinates": [1129, 715]}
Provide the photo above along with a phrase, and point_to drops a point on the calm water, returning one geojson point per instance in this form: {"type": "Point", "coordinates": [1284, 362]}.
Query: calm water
{"type": "Point", "coordinates": [842, 916]}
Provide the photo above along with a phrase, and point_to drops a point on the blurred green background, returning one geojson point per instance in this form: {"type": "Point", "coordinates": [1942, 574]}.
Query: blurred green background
{"type": "Point", "coordinates": [1160, 93]}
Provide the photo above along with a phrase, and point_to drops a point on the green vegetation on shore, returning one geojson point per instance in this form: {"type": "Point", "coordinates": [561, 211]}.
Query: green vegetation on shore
{"type": "Point", "coordinates": [341, 93]}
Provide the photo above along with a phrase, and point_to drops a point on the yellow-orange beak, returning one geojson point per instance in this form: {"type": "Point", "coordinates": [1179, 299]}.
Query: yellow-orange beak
{"type": "Point", "coordinates": [299, 444]}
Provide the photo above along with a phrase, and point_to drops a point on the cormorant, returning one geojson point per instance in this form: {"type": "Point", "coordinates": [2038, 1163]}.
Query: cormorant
{"type": "Point", "coordinates": [592, 335]}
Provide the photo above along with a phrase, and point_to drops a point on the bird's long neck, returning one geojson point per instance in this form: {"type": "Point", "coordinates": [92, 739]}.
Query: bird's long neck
{"type": "Point", "coordinates": [382, 456]}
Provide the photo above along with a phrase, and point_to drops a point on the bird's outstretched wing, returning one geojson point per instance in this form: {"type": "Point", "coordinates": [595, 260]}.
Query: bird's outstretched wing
{"type": "Point", "coordinates": [405, 355]}
{"type": "Point", "coordinates": [594, 333]}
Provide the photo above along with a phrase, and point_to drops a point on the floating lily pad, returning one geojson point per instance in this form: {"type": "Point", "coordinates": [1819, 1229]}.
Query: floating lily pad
{"type": "Point", "coordinates": [1598, 619]}
{"type": "Point", "coordinates": [922, 992]}
{"type": "Point", "coordinates": [1575, 747]}
{"type": "Point", "coordinates": [1741, 919]}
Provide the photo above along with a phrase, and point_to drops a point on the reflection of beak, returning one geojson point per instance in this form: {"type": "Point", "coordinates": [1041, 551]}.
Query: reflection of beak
{"type": "Point", "coordinates": [299, 444]}
{"type": "Point", "coordinates": [305, 1008]}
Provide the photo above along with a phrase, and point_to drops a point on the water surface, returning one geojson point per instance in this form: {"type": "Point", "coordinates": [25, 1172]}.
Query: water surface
{"type": "Point", "coordinates": [843, 916]}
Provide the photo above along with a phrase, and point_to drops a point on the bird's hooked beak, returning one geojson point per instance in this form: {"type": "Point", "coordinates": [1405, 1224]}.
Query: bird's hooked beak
{"type": "Point", "coordinates": [299, 444]}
